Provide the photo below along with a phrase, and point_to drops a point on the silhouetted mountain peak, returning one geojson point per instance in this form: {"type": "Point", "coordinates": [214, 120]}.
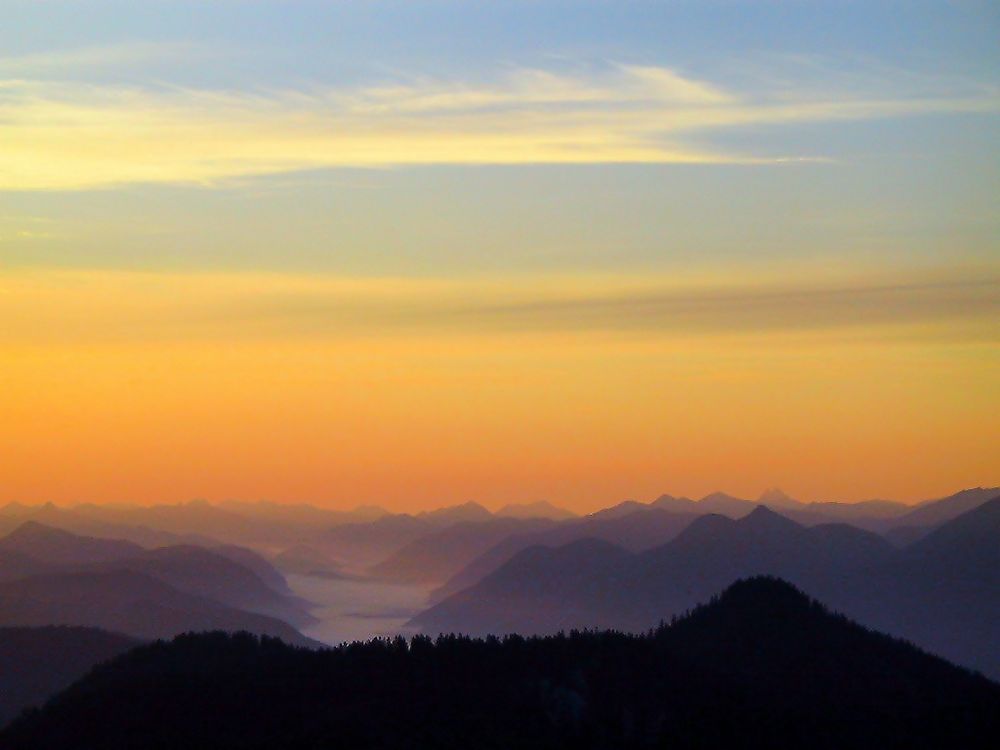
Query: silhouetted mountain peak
{"type": "Point", "coordinates": [776, 496]}
{"type": "Point", "coordinates": [712, 497]}
{"type": "Point", "coordinates": [761, 597]}
{"type": "Point", "coordinates": [763, 518]}
{"type": "Point", "coordinates": [934, 512]}
{"type": "Point", "coordinates": [622, 509]}
{"type": "Point", "coordinates": [720, 502]}
{"type": "Point", "coordinates": [35, 530]}
{"type": "Point", "coordinates": [470, 511]}
{"type": "Point", "coordinates": [973, 537]}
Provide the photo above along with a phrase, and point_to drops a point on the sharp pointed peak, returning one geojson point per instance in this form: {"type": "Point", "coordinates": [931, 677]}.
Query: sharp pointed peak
{"type": "Point", "coordinates": [32, 527]}
{"type": "Point", "coordinates": [775, 496]}
{"type": "Point", "coordinates": [764, 517]}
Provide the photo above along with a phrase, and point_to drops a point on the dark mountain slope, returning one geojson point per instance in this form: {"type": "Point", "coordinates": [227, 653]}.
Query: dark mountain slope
{"type": "Point", "coordinates": [362, 545]}
{"type": "Point", "coordinates": [56, 546]}
{"type": "Point", "coordinates": [202, 572]}
{"type": "Point", "coordinates": [15, 564]}
{"type": "Point", "coordinates": [917, 523]}
{"type": "Point", "coordinates": [942, 592]}
{"type": "Point", "coordinates": [540, 590]}
{"type": "Point", "coordinates": [968, 545]}
{"type": "Point", "coordinates": [192, 569]}
{"type": "Point", "coordinates": [637, 530]}
{"type": "Point", "coordinates": [936, 512]}
{"type": "Point", "coordinates": [633, 592]}
{"type": "Point", "coordinates": [36, 663]}
{"type": "Point", "coordinates": [760, 667]}
{"type": "Point", "coordinates": [87, 520]}
{"type": "Point", "coordinates": [257, 564]}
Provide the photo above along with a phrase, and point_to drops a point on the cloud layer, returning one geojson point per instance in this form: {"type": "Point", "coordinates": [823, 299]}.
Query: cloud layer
{"type": "Point", "coordinates": [126, 306]}
{"type": "Point", "coordinates": [61, 136]}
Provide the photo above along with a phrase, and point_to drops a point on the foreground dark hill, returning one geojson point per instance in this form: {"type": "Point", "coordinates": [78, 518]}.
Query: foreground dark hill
{"type": "Point", "coordinates": [36, 663]}
{"type": "Point", "coordinates": [760, 667]}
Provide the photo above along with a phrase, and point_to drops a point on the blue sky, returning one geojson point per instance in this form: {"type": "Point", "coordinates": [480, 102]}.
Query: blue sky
{"type": "Point", "coordinates": [911, 175]}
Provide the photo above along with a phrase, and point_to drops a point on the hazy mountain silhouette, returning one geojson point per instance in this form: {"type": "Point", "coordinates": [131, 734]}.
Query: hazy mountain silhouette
{"type": "Point", "coordinates": [302, 514]}
{"type": "Point", "coordinates": [118, 537]}
{"type": "Point", "coordinates": [59, 547]}
{"type": "Point", "coordinates": [967, 545]}
{"type": "Point", "coordinates": [128, 602]}
{"type": "Point", "coordinates": [366, 543]}
{"type": "Point", "coordinates": [361, 545]}
{"type": "Point", "coordinates": [538, 590]}
{"type": "Point", "coordinates": [303, 559]}
{"type": "Point", "coordinates": [639, 529]}
{"type": "Point", "coordinates": [187, 568]}
{"type": "Point", "coordinates": [15, 564]}
{"type": "Point", "coordinates": [917, 523]}
{"type": "Point", "coordinates": [36, 663]}
{"type": "Point", "coordinates": [436, 556]}
{"type": "Point", "coordinates": [942, 592]}
{"type": "Point", "coordinates": [202, 517]}
{"type": "Point", "coordinates": [761, 666]}
{"type": "Point", "coordinates": [268, 573]}
{"type": "Point", "coordinates": [777, 498]}
{"type": "Point", "coordinates": [456, 514]}
{"type": "Point", "coordinates": [195, 570]}
{"type": "Point", "coordinates": [936, 512]}
{"type": "Point", "coordinates": [86, 520]}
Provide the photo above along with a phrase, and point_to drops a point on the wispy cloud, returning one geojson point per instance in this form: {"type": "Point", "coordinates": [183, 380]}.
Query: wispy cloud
{"type": "Point", "coordinates": [80, 136]}
{"type": "Point", "coordinates": [101, 56]}
{"type": "Point", "coordinates": [122, 306]}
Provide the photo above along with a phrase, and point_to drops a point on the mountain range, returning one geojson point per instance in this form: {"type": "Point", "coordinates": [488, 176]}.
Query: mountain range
{"type": "Point", "coordinates": [53, 577]}
{"type": "Point", "coordinates": [941, 592]}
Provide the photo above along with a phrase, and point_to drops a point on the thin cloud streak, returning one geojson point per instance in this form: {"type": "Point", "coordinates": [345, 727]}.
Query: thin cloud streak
{"type": "Point", "coordinates": [120, 306]}
{"type": "Point", "coordinates": [103, 56]}
{"type": "Point", "coordinates": [78, 137]}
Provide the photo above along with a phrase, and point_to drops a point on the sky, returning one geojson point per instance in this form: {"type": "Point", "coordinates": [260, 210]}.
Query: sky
{"type": "Point", "coordinates": [424, 252]}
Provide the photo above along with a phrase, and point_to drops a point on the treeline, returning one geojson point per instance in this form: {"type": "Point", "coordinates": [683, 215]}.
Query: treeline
{"type": "Point", "coordinates": [760, 666]}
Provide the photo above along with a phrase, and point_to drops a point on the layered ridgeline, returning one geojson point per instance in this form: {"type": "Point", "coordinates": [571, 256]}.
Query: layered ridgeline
{"type": "Point", "coordinates": [760, 666]}
{"type": "Point", "coordinates": [351, 542]}
{"type": "Point", "coordinates": [457, 555]}
{"type": "Point", "coordinates": [53, 577]}
{"type": "Point", "coordinates": [942, 592]}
